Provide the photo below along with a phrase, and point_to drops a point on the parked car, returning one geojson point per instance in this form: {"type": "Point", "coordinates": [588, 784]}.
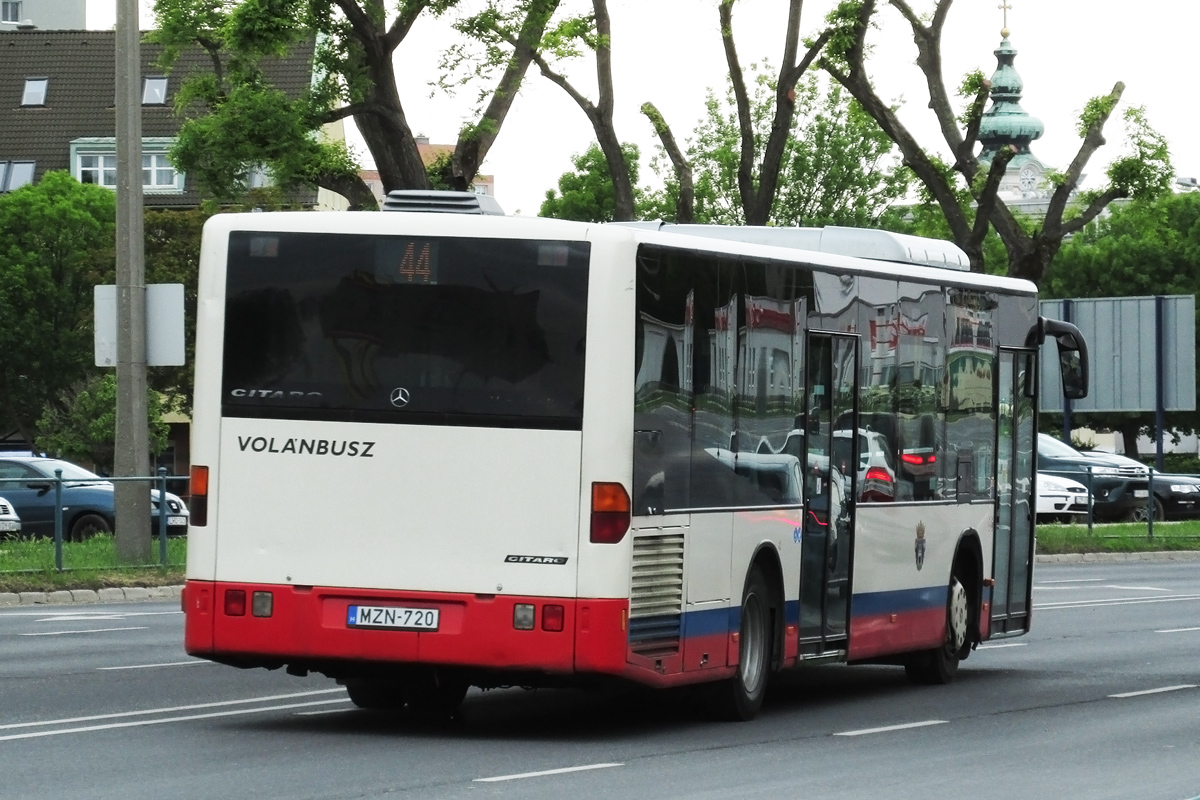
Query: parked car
{"type": "Point", "coordinates": [1175, 497]}
{"type": "Point", "coordinates": [88, 499]}
{"type": "Point", "coordinates": [1060, 499]}
{"type": "Point", "coordinates": [1120, 485]}
{"type": "Point", "coordinates": [10, 523]}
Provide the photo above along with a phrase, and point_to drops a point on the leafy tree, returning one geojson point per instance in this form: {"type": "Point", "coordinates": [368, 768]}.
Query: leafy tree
{"type": "Point", "coordinates": [1146, 247]}
{"type": "Point", "coordinates": [587, 194]}
{"type": "Point", "coordinates": [57, 241]}
{"type": "Point", "coordinates": [836, 167]}
{"type": "Point", "coordinates": [965, 191]}
{"type": "Point", "coordinates": [240, 121]}
{"type": "Point", "coordinates": [82, 425]}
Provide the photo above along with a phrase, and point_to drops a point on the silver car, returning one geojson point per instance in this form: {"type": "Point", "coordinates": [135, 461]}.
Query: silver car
{"type": "Point", "coordinates": [10, 523]}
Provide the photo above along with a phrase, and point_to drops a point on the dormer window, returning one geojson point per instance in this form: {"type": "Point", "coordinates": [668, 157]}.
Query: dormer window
{"type": "Point", "coordinates": [154, 91]}
{"type": "Point", "coordinates": [35, 91]}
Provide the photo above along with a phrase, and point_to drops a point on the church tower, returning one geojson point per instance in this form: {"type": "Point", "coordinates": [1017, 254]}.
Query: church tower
{"type": "Point", "coordinates": [1006, 123]}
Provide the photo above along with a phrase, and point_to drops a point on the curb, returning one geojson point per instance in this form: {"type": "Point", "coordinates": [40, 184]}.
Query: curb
{"type": "Point", "coordinates": [64, 597]}
{"type": "Point", "coordinates": [85, 596]}
{"type": "Point", "coordinates": [1119, 558]}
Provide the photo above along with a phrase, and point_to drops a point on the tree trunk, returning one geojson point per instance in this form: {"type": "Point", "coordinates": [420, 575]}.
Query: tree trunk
{"type": "Point", "coordinates": [387, 134]}
{"type": "Point", "coordinates": [1129, 436]}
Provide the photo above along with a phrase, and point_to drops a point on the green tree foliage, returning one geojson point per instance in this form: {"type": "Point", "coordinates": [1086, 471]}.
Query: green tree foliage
{"type": "Point", "coordinates": [81, 426]}
{"type": "Point", "coordinates": [838, 166]}
{"type": "Point", "coordinates": [587, 193]}
{"type": "Point", "coordinates": [1145, 247]}
{"type": "Point", "coordinates": [238, 121]}
{"type": "Point", "coordinates": [57, 241]}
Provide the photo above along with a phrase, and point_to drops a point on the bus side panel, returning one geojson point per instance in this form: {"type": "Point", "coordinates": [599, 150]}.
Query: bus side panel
{"type": "Point", "coordinates": [772, 530]}
{"type": "Point", "coordinates": [708, 543]}
{"type": "Point", "coordinates": [902, 560]}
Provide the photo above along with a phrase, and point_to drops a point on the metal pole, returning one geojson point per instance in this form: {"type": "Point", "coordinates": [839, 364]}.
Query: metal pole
{"type": "Point", "coordinates": [132, 456]}
{"type": "Point", "coordinates": [1150, 509]}
{"type": "Point", "coordinates": [58, 521]}
{"type": "Point", "coordinates": [1160, 374]}
{"type": "Point", "coordinates": [162, 516]}
{"type": "Point", "coordinates": [1066, 436]}
{"type": "Point", "coordinates": [1091, 523]}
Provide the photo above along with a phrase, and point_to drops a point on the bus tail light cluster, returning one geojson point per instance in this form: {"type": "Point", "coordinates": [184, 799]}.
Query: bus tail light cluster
{"type": "Point", "coordinates": [525, 617]}
{"type": "Point", "coordinates": [262, 604]}
{"type": "Point", "coordinates": [199, 487]}
{"type": "Point", "coordinates": [610, 513]}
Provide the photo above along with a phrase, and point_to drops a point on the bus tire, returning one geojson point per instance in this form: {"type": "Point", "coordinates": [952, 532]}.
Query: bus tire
{"type": "Point", "coordinates": [435, 693]}
{"type": "Point", "coordinates": [376, 694]}
{"type": "Point", "coordinates": [739, 698]}
{"type": "Point", "coordinates": [938, 666]}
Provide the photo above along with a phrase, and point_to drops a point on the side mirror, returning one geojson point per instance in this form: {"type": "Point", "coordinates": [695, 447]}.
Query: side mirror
{"type": "Point", "coordinates": [1072, 354]}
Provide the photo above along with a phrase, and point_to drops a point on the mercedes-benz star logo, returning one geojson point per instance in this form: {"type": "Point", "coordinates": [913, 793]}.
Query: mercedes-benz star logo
{"type": "Point", "coordinates": [400, 397]}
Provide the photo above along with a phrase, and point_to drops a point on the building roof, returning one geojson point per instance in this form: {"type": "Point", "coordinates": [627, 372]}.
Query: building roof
{"type": "Point", "coordinates": [81, 67]}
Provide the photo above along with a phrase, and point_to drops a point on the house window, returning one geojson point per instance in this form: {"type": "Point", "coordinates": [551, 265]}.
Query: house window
{"type": "Point", "coordinates": [94, 161]}
{"type": "Point", "coordinates": [98, 169]}
{"type": "Point", "coordinates": [35, 92]}
{"type": "Point", "coordinates": [154, 91]}
{"type": "Point", "coordinates": [10, 11]}
{"type": "Point", "coordinates": [15, 174]}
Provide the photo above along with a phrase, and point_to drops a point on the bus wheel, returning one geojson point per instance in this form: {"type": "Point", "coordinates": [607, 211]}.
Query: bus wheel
{"type": "Point", "coordinates": [435, 692]}
{"type": "Point", "coordinates": [376, 694]}
{"type": "Point", "coordinates": [740, 697]}
{"type": "Point", "coordinates": [939, 665]}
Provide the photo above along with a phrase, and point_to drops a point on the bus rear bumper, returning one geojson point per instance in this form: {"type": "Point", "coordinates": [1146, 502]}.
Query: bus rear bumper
{"type": "Point", "coordinates": [308, 626]}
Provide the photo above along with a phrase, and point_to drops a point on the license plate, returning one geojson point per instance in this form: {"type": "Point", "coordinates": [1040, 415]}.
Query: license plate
{"type": "Point", "coordinates": [9, 525]}
{"type": "Point", "coordinates": [1141, 492]}
{"type": "Point", "coordinates": [397, 618]}
{"type": "Point", "coordinates": [175, 521]}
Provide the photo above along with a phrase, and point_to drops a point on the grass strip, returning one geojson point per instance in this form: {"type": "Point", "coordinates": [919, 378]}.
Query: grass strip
{"type": "Point", "coordinates": [28, 565]}
{"type": "Point", "coordinates": [1118, 538]}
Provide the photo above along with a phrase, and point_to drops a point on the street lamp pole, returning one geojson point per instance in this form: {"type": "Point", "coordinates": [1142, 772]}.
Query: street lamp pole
{"type": "Point", "coordinates": [132, 453]}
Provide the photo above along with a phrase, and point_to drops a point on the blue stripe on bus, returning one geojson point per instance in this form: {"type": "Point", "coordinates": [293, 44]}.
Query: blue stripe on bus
{"type": "Point", "coordinates": [895, 602]}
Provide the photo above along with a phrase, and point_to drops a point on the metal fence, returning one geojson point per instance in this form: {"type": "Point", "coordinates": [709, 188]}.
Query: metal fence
{"type": "Point", "coordinates": [158, 481]}
{"type": "Point", "coordinates": [1153, 477]}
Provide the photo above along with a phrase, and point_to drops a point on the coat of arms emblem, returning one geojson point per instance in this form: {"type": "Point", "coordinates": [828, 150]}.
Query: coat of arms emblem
{"type": "Point", "coordinates": [919, 546]}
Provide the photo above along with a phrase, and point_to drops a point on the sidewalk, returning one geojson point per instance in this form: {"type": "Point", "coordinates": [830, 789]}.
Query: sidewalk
{"type": "Point", "coordinates": [84, 596]}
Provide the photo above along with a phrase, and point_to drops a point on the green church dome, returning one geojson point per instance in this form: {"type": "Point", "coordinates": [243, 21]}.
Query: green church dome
{"type": "Point", "coordinates": [1006, 123]}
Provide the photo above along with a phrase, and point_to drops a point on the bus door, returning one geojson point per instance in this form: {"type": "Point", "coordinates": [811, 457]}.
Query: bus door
{"type": "Point", "coordinates": [1013, 557]}
{"type": "Point", "coordinates": [830, 428]}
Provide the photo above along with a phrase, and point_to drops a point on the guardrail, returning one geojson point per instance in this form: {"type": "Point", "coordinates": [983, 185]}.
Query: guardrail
{"type": "Point", "coordinates": [58, 480]}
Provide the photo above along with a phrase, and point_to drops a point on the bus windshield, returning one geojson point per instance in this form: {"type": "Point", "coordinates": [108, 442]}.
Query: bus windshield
{"type": "Point", "coordinates": [402, 329]}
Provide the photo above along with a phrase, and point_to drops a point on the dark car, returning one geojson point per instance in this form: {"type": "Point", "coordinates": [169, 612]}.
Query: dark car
{"type": "Point", "coordinates": [1120, 486]}
{"type": "Point", "coordinates": [27, 483]}
{"type": "Point", "coordinates": [1175, 497]}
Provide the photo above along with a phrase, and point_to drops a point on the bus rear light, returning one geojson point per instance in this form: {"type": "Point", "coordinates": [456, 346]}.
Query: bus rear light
{"type": "Point", "coordinates": [262, 604]}
{"type": "Point", "coordinates": [523, 616]}
{"type": "Point", "coordinates": [552, 618]}
{"type": "Point", "coordinates": [199, 489]}
{"type": "Point", "coordinates": [610, 513]}
{"type": "Point", "coordinates": [235, 602]}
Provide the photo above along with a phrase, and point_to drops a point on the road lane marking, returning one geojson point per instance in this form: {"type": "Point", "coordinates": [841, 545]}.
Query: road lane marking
{"type": "Point", "coordinates": [169, 709]}
{"type": "Point", "coordinates": [1135, 588]}
{"type": "Point", "coordinates": [887, 728]}
{"type": "Point", "coordinates": [1105, 586]}
{"type": "Point", "coordinates": [1113, 601]}
{"type": "Point", "coordinates": [1073, 580]}
{"type": "Point", "coordinates": [191, 663]}
{"type": "Point", "coordinates": [562, 771]}
{"type": "Point", "coordinates": [1156, 691]}
{"type": "Point", "coordinates": [144, 722]}
{"type": "Point", "coordinates": [998, 646]}
{"type": "Point", "coordinates": [1178, 630]}
{"type": "Point", "coordinates": [96, 630]}
{"type": "Point", "coordinates": [60, 614]}
{"type": "Point", "coordinates": [326, 711]}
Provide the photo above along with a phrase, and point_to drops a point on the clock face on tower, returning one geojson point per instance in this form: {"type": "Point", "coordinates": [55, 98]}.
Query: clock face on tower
{"type": "Point", "coordinates": [1029, 179]}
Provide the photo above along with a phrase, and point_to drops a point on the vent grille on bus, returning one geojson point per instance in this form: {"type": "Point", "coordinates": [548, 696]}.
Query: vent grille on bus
{"type": "Point", "coordinates": [438, 202]}
{"type": "Point", "coordinates": [656, 603]}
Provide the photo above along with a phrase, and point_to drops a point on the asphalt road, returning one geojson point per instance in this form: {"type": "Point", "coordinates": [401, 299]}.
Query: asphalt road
{"type": "Point", "coordinates": [1102, 700]}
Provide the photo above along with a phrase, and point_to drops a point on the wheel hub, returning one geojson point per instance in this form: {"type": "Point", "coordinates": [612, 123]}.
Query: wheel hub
{"type": "Point", "coordinates": [958, 614]}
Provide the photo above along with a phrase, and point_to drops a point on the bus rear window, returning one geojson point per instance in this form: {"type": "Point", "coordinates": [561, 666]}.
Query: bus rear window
{"type": "Point", "coordinates": [417, 330]}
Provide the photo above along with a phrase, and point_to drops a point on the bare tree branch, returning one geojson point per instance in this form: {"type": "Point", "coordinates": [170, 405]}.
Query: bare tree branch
{"type": "Point", "coordinates": [987, 198]}
{"type": "Point", "coordinates": [685, 205]}
{"type": "Point", "coordinates": [401, 26]}
{"type": "Point", "coordinates": [742, 100]}
{"type": "Point", "coordinates": [1092, 141]}
{"type": "Point", "coordinates": [1098, 204]}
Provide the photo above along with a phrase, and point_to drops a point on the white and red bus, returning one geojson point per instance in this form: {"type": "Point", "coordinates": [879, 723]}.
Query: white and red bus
{"type": "Point", "coordinates": [435, 450]}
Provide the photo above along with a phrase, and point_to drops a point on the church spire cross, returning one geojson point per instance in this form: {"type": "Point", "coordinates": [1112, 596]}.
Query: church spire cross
{"type": "Point", "coordinates": [1005, 7]}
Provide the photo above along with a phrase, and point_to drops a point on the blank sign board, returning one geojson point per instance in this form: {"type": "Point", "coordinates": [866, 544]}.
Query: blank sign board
{"type": "Point", "coordinates": [164, 325]}
{"type": "Point", "coordinates": [1120, 333]}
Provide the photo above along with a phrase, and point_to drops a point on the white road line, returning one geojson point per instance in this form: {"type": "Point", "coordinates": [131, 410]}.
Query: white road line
{"type": "Point", "coordinates": [1156, 691]}
{"type": "Point", "coordinates": [170, 709]}
{"type": "Point", "coordinates": [998, 646]}
{"type": "Point", "coordinates": [562, 771]}
{"type": "Point", "coordinates": [54, 614]}
{"type": "Point", "coordinates": [1113, 601]}
{"type": "Point", "coordinates": [1178, 630]}
{"type": "Point", "coordinates": [95, 630]}
{"type": "Point", "coordinates": [1073, 580]}
{"type": "Point", "coordinates": [1104, 586]}
{"type": "Point", "coordinates": [191, 663]}
{"type": "Point", "coordinates": [888, 728]}
{"type": "Point", "coordinates": [1135, 588]}
{"type": "Point", "coordinates": [162, 721]}
{"type": "Point", "coordinates": [326, 711]}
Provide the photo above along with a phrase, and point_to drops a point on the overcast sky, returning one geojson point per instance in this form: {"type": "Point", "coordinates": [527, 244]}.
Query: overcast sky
{"type": "Point", "coordinates": [669, 52]}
